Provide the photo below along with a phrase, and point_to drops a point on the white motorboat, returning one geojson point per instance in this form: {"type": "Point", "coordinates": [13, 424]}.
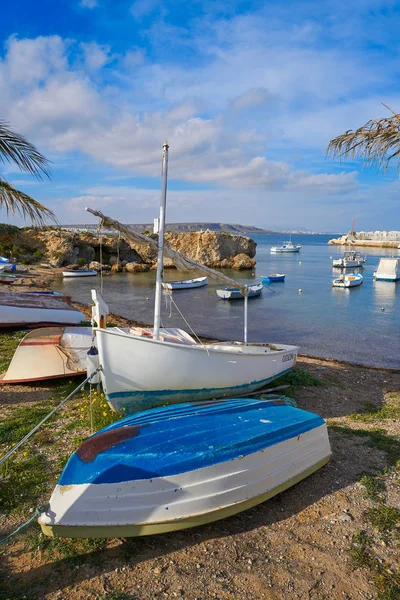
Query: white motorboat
{"type": "Point", "coordinates": [350, 259]}
{"type": "Point", "coordinates": [388, 269]}
{"type": "Point", "coordinates": [185, 284]}
{"type": "Point", "coordinates": [286, 247]}
{"type": "Point", "coordinates": [143, 369]}
{"type": "Point", "coordinates": [79, 273]}
{"type": "Point", "coordinates": [348, 281]}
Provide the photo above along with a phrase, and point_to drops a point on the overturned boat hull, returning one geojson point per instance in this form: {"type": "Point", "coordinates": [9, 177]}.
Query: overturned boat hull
{"type": "Point", "coordinates": [30, 310]}
{"type": "Point", "coordinates": [185, 465]}
{"type": "Point", "coordinates": [49, 353]}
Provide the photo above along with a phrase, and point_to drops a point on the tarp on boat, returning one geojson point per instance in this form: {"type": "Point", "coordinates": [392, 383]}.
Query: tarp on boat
{"type": "Point", "coordinates": [48, 353]}
{"type": "Point", "coordinates": [181, 261]}
{"type": "Point", "coordinates": [388, 266]}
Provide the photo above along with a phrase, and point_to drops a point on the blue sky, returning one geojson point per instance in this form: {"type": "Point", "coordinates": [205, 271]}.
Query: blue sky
{"type": "Point", "coordinates": [247, 93]}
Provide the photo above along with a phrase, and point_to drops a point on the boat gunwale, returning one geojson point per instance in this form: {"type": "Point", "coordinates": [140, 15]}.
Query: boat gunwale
{"type": "Point", "coordinates": [205, 347]}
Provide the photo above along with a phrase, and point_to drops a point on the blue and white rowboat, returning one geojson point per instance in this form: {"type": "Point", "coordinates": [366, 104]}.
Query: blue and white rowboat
{"type": "Point", "coordinates": [235, 294]}
{"type": "Point", "coordinates": [272, 278]}
{"type": "Point", "coordinates": [184, 465]}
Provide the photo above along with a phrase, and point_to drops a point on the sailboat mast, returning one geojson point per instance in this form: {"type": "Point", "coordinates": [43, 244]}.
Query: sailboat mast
{"type": "Point", "coordinates": [160, 250]}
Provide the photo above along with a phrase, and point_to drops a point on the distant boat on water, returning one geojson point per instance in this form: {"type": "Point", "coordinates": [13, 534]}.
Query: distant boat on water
{"type": "Point", "coordinates": [273, 278]}
{"type": "Point", "coordinates": [350, 259]}
{"type": "Point", "coordinates": [286, 247]}
{"type": "Point", "coordinates": [185, 284]}
{"type": "Point", "coordinates": [347, 281]}
{"type": "Point", "coordinates": [79, 273]}
{"type": "Point", "coordinates": [231, 293]}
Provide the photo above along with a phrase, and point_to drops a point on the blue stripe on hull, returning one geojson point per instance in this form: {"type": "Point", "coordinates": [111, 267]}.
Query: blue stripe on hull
{"type": "Point", "coordinates": [171, 440]}
{"type": "Point", "coordinates": [126, 403]}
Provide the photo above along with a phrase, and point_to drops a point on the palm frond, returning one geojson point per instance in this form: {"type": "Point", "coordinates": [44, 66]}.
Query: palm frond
{"type": "Point", "coordinates": [376, 143]}
{"type": "Point", "coordinates": [17, 202]}
{"type": "Point", "coordinates": [14, 148]}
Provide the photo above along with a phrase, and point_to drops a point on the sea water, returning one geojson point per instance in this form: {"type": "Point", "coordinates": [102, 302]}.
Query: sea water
{"type": "Point", "coordinates": [360, 325]}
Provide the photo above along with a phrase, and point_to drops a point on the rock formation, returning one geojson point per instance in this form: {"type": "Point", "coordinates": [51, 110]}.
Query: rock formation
{"type": "Point", "coordinates": [59, 248]}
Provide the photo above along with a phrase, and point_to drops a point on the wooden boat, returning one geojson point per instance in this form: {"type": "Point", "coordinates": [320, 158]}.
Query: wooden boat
{"type": "Point", "coordinates": [350, 259]}
{"type": "Point", "coordinates": [148, 368]}
{"type": "Point", "coordinates": [347, 281]}
{"type": "Point", "coordinates": [184, 465]}
{"type": "Point", "coordinates": [79, 273]}
{"type": "Point", "coordinates": [235, 293]}
{"type": "Point", "coordinates": [185, 284]}
{"type": "Point", "coordinates": [7, 278]}
{"type": "Point", "coordinates": [48, 353]}
{"type": "Point", "coordinates": [273, 278]}
{"type": "Point", "coordinates": [28, 310]}
{"type": "Point", "coordinates": [286, 247]}
{"type": "Point", "coordinates": [388, 269]}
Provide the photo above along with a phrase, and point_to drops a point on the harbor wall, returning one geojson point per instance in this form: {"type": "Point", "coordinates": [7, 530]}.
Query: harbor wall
{"type": "Point", "coordinates": [372, 239]}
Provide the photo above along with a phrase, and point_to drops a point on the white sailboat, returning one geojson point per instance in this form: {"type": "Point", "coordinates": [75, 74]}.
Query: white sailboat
{"type": "Point", "coordinates": [143, 368]}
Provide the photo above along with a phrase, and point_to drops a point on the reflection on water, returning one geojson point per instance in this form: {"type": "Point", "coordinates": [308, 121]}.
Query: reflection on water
{"type": "Point", "coordinates": [324, 321]}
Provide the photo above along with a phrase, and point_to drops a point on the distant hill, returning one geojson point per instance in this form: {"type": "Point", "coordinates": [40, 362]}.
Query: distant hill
{"type": "Point", "coordinates": [232, 228]}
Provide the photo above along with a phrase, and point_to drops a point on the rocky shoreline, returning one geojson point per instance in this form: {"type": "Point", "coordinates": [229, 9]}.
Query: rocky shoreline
{"type": "Point", "coordinates": [57, 248]}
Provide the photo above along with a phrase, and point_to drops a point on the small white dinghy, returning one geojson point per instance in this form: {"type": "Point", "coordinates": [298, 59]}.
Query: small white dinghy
{"type": "Point", "coordinates": [79, 273]}
{"type": "Point", "coordinates": [179, 466]}
{"type": "Point", "coordinates": [235, 294]}
{"type": "Point", "coordinates": [348, 281]}
{"type": "Point", "coordinates": [48, 353]}
{"type": "Point", "coordinates": [185, 284]}
{"type": "Point", "coordinates": [27, 310]}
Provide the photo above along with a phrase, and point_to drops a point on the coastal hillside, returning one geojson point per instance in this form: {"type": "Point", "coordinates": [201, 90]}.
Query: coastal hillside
{"type": "Point", "coordinates": [59, 248]}
{"type": "Point", "coordinates": [232, 228]}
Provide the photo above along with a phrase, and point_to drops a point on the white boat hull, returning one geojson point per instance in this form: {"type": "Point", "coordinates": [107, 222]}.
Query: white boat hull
{"type": "Point", "coordinates": [348, 281]}
{"type": "Point", "coordinates": [185, 284]}
{"type": "Point", "coordinates": [18, 310]}
{"type": "Point", "coordinates": [171, 503]}
{"type": "Point", "coordinates": [285, 250]}
{"type": "Point", "coordinates": [347, 264]}
{"type": "Point", "coordinates": [139, 373]}
{"type": "Point", "coordinates": [77, 273]}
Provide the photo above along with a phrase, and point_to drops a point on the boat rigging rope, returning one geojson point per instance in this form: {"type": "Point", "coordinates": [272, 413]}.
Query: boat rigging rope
{"type": "Point", "coordinates": [100, 254]}
{"type": "Point", "coordinates": [187, 323]}
{"type": "Point", "coordinates": [28, 435]}
{"type": "Point", "coordinates": [39, 510]}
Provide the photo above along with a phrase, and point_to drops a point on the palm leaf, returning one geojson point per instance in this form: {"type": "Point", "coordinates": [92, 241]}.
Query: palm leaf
{"type": "Point", "coordinates": [20, 203]}
{"type": "Point", "coordinates": [14, 148]}
{"type": "Point", "coordinates": [376, 143]}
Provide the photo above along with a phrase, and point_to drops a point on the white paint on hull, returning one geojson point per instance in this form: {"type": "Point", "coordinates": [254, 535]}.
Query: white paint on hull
{"type": "Point", "coordinates": [195, 493]}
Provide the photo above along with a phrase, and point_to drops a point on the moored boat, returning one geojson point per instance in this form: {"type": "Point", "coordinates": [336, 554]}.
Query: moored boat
{"type": "Point", "coordinates": [27, 310]}
{"type": "Point", "coordinates": [286, 247]}
{"type": "Point", "coordinates": [7, 278]}
{"type": "Point", "coordinates": [185, 465]}
{"type": "Point", "coordinates": [388, 269]}
{"type": "Point", "coordinates": [79, 273]}
{"type": "Point", "coordinates": [273, 278]}
{"type": "Point", "coordinates": [348, 281]}
{"type": "Point", "coordinates": [230, 293]}
{"type": "Point", "coordinates": [185, 284]}
{"type": "Point", "coordinates": [350, 259]}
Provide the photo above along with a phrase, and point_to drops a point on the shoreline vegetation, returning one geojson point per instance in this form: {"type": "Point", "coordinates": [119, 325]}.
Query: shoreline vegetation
{"type": "Point", "coordinates": [333, 535]}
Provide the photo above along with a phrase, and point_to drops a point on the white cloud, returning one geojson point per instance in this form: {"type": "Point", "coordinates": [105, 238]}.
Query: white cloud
{"type": "Point", "coordinates": [96, 55]}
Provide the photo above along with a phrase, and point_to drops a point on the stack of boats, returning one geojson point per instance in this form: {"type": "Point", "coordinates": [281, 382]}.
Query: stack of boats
{"type": "Point", "coordinates": [192, 447]}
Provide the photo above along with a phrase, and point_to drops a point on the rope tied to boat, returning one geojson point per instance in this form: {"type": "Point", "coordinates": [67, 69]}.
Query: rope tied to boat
{"type": "Point", "coordinates": [51, 413]}
{"type": "Point", "coordinates": [39, 510]}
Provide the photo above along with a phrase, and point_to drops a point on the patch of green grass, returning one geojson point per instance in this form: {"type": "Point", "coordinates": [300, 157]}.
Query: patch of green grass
{"type": "Point", "coordinates": [75, 550]}
{"type": "Point", "coordinates": [372, 413]}
{"type": "Point", "coordinates": [8, 344]}
{"type": "Point", "coordinates": [360, 550]}
{"type": "Point", "coordinates": [118, 596]}
{"type": "Point", "coordinates": [375, 438]}
{"type": "Point", "coordinates": [298, 377]}
{"type": "Point", "coordinates": [374, 489]}
{"type": "Point", "coordinates": [22, 481]}
{"type": "Point", "coordinates": [20, 422]}
{"type": "Point", "coordinates": [384, 518]}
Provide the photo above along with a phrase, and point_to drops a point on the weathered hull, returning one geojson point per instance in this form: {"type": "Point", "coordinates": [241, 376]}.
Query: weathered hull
{"type": "Point", "coordinates": [181, 466]}
{"type": "Point", "coordinates": [140, 373]}
{"type": "Point", "coordinates": [185, 284]}
{"type": "Point", "coordinates": [17, 310]}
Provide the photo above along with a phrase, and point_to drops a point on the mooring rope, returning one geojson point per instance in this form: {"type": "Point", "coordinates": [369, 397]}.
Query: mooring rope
{"type": "Point", "coordinates": [39, 510]}
{"type": "Point", "coordinates": [28, 435]}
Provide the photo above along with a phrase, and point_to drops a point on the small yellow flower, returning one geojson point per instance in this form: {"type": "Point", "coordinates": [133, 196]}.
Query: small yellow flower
{"type": "Point", "coordinates": [25, 454]}
{"type": "Point", "coordinates": [104, 414]}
